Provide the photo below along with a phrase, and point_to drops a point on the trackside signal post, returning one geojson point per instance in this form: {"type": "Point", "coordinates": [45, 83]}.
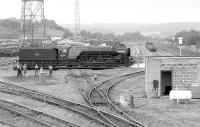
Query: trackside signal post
{"type": "Point", "coordinates": [180, 41]}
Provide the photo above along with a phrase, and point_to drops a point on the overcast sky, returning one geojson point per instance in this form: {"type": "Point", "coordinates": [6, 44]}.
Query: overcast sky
{"type": "Point", "coordinates": [113, 11]}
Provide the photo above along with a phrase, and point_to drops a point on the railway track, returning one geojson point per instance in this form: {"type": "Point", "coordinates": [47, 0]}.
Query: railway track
{"type": "Point", "coordinates": [83, 110]}
{"type": "Point", "coordinates": [99, 114]}
{"type": "Point", "coordinates": [34, 115]}
{"type": "Point", "coordinates": [8, 124]}
{"type": "Point", "coordinates": [113, 84]}
{"type": "Point", "coordinates": [176, 50]}
{"type": "Point", "coordinates": [6, 61]}
{"type": "Point", "coordinates": [100, 94]}
{"type": "Point", "coordinates": [119, 122]}
{"type": "Point", "coordinates": [3, 64]}
{"type": "Point", "coordinates": [104, 87]}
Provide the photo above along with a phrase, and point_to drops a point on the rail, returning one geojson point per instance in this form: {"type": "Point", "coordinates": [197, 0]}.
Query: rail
{"type": "Point", "coordinates": [35, 115]}
{"type": "Point", "coordinates": [83, 110]}
{"type": "Point", "coordinates": [176, 50]}
{"type": "Point", "coordinates": [123, 121]}
{"type": "Point", "coordinates": [7, 123]}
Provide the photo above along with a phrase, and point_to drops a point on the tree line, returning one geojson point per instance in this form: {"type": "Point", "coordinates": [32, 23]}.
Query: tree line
{"type": "Point", "coordinates": [129, 36]}
{"type": "Point", "coordinates": [190, 38]}
{"type": "Point", "coordinates": [11, 29]}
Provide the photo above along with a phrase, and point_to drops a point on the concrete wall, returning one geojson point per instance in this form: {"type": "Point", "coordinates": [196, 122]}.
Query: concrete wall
{"type": "Point", "coordinates": [185, 71]}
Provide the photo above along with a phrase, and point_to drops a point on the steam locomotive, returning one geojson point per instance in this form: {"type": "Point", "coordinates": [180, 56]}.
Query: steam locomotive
{"type": "Point", "coordinates": [150, 46]}
{"type": "Point", "coordinates": [75, 57]}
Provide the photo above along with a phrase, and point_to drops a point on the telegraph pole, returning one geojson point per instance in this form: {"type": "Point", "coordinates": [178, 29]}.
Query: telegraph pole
{"type": "Point", "coordinates": [33, 22]}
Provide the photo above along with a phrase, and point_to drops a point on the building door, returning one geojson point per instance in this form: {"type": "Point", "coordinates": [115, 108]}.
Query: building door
{"type": "Point", "coordinates": [166, 82]}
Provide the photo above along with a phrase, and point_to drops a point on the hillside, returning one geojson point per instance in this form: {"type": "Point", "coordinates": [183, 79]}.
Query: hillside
{"type": "Point", "coordinates": [11, 29]}
{"type": "Point", "coordinates": [164, 28]}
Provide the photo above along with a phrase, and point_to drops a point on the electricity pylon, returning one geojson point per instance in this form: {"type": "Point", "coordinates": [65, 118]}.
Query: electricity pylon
{"type": "Point", "coordinates": [77, 34]}
{"type": "Point", "coordinates": [33, 22]}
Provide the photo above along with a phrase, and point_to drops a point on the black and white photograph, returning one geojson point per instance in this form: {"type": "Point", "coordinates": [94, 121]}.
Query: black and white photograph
{"type": "Point", "coordinates": [99, 63]}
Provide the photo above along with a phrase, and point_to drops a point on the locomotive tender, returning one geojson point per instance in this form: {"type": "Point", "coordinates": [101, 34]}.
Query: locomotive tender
{"type": "Point", "coordinates": [75, 57]}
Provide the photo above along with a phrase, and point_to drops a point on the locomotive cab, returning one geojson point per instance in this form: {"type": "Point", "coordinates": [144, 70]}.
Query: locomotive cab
{"type": "Point", "coordinates": [63, 56]}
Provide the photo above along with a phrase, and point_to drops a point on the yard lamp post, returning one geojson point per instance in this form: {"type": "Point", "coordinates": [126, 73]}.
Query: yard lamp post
{"type": "Point", "coordinates": [180, 40]}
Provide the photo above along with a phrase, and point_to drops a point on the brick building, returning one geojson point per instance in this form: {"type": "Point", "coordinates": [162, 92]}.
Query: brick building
{"type": "Point", "coordinates": [171, 73]}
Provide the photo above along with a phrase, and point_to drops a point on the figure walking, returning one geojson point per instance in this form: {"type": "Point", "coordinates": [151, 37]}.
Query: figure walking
{"type": "Point", "coordinates": [25, 70]}
{"type": "Point", "coordinates": [50, 71]}
{"type": "Point", "coordinates": [41, 70]}
{"type": "Point", "coordinates": [18, 69]}
{"type": "Point", "coordinates": [36, 69]}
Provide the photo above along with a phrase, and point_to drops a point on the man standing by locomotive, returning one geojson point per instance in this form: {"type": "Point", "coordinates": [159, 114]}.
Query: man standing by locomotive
{"type": "Point", "coordinates": [18, 70]}
{"type": "Point", "coordinates": [36, 69]}
{"type": "Point", "coordinates": [50, 70]}
{"type": "Point", "coordinates": [25, 70]}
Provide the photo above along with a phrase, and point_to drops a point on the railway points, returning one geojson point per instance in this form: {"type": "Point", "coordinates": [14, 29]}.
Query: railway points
{"type": "Point", "coordinates": [104, 93]}
{"type": "Point", "coordinates": [87, 96]}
